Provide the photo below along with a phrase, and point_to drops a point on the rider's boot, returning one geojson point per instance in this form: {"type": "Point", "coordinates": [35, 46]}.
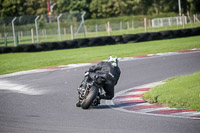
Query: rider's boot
{"type": "Point", "coordinates": [98, 101]}
{"type": "Point", "coordinates": [78, 104]}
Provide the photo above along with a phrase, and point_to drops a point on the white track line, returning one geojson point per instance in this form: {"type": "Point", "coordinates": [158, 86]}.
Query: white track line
{"type": "Point", "coordinates": [186, 114]}
{"type": "Point", "coordinates": [18, 88]}
{"type": "Point", "coordinates": [128, 99]}
{"type": "Point", "coordinates": [133, 93]}
{"type": "Point", "coordinates": [152, 109]}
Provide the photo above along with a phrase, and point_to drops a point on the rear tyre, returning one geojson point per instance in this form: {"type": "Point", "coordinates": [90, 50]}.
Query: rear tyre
{"type": "Point", "coordinates": [89, 98]}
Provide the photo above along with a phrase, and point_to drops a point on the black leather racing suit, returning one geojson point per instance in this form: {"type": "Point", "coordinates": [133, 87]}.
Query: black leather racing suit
{"type": "Point", "coordinates": [110, 72]}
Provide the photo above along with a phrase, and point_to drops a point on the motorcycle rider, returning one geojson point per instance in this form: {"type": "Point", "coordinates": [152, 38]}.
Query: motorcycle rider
{"type": "Point", "coordinates": [106, 73]}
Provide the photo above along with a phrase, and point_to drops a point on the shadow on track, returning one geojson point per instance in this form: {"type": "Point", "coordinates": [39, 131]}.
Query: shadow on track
{"type": "Point", "coordinates": [116, 105]}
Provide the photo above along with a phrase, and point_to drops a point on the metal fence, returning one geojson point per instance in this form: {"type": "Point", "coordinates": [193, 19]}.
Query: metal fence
{"type": "Point", "coordinates": [33, 29]}
{"type": "Point", "coordinates": [44, 28]}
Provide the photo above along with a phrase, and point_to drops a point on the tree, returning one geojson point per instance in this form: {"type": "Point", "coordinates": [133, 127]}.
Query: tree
{"type": "Point", "coordinates": [11, 8]}
{"type": "Point", "coordinates": [98, 8]}
{"type": "Point", "coordinates": [41, 7]}
{"type": "Point", "coordinates": [63, 6]}
{"type": "Point", "coordinates": [110, 8]}
{"type": "Point", "coordinates": [74, 5]}
{"type": "Point", "coordinates": [193, 6]}
{"type": "Point", "coordinates": [29, 7]}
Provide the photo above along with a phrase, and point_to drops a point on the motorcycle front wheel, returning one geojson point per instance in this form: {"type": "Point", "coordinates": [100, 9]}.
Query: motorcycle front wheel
{"type": "Point", "coordinates": [88, 100]}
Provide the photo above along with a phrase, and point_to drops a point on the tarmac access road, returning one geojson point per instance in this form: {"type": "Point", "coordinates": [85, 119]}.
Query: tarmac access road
{"type": "Point", "coordinates": [45, 102]}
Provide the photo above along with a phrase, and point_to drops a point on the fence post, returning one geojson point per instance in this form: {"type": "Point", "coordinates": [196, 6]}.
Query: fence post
{"type": "Point", "coordinates": [189, 18]}
{"type": "Point", "coordinates": [194, 18]}
{"type": "Point", "coordinates": [85, 29]}
{"type": "Point", "coordinates": [132, 25]}
{"type": "Point", "coordinates": [162, 24]}
{"type": "Point", "coordinates": [96, 28]}
{"type": "Point", "coordinates": [128, 26]}
{"type": "Point", "coordinates": [82, 24]}
{"type": "Point", "coordinates": [13, 28]}
{"type": "Point", "coordinates": [197, 18]}
{"type": "Point", "coordinates": [120, 25]}
{"type": "Point", "coordinates": [108, 28]}
{"type": "Point", "coordinates": [72, 32]}
{"type": "Point", "coordinates": [21, 35]}
{"type": "Point", "coordinates": [36, 28]}
{"type": "Point", "coordinates": [190, 21]}
{"type": "Point", "coordinates": [5, 39]}
{"type": "Point", "coordinates": [179, 7]}
{"type": "Point", "coordinates": [32, 35]}
{"type": "Point", "coordinates": [45, 34]}
{"type": "Point", "coordinates": [149, 21]}
{"type": "Point", "coordinates": [64, 31]}
{"type": "Point", "coordinates": [82, 17]}
{"type": "Point", "coordinates": [145, 24]}
{"type": "Point", "coordinates": [183, 21]}
{"type": "Point", "coordinates": [58, 21]}
{"type": "Point", "coordinates": [17, 39]}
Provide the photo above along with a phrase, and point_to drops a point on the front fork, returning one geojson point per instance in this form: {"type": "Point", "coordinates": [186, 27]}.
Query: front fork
{"type": "Point", "coordinates": [81, 93]}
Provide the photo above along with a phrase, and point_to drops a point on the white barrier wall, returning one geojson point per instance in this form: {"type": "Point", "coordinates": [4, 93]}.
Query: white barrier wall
{"type": "Point", "coordinates": [160, 22]}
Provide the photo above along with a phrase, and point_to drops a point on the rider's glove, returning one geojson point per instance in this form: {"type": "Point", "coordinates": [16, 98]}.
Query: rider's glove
{"type": "Point", "coordinates": [87, 73]}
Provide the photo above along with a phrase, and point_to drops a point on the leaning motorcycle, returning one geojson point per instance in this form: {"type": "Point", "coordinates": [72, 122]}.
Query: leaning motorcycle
{"type": "Point", "coordinates": [89, 93]}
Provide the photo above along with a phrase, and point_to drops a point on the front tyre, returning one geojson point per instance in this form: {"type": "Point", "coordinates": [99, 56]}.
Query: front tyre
{"type": "Point", "coordinates": [88, 100]}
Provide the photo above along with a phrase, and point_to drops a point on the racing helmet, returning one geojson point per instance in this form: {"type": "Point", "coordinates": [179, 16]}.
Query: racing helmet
{"type": "Point", "coordinates": [113, 59]}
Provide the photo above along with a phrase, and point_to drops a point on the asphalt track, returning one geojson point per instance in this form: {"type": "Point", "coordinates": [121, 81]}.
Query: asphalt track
{"type": "Point", "coordinates": [46, 104]}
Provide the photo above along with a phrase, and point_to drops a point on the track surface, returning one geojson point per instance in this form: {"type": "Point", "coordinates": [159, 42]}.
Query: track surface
{"type": "Point", "coordinates": [51, 106]}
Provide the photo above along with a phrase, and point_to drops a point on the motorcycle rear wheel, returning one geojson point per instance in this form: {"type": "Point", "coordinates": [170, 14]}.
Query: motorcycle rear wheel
{"type": "Point", "coordinates": [88, 100]}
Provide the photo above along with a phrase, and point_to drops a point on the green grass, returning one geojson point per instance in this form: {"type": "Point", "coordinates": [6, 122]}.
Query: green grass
{"type": "Point", "coordinates": [178, 92]}
{"type": "Point", "coordinates": [13, 62]}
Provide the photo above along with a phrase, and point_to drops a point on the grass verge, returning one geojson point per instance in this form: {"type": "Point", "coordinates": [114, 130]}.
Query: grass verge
{"type": "Point", "coordinates": [13, 62]}
{"type": "Point", "coordinates": [178, 92]}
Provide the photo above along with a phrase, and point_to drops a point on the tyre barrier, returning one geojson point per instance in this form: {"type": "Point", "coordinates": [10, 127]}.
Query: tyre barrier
{"type": "Point", "coordinates": [118, 39]}
{"type": "Point", "coordinates": [104, 40]}
{"type": "Point", "coordinates": [130, 38]}
{"type": "Point", "coordinates": [108, 40]}
{"type": "Point", "coordinates": [95, 41]}
{"type": "Point", "coordinates": [156, 36]}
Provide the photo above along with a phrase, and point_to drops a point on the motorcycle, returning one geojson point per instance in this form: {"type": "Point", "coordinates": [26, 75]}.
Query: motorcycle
{"type": "Point", "coordinates": [89, 93]}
